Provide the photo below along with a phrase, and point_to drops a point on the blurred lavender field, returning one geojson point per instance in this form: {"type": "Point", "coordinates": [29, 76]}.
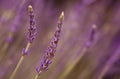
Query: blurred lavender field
{"type": "Point", "coordinates": [73, 60]}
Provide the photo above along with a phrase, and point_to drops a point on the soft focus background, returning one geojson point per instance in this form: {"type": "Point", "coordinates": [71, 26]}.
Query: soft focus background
{"type": "Point", "coordinates": [68, 63]}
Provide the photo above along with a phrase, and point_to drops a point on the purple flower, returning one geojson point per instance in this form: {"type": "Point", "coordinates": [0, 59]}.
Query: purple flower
{"type": "Point", "coordinates": [32, 28]}
{"type": "Point", "coordinates": [24, 52]}
{"type": "Point", "coordinates": [49, 54]}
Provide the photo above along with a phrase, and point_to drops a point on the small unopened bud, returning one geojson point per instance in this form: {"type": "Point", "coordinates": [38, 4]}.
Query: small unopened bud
{"type": "Point", "coordinates": [61, 18]}
{"type": "Point", "coordinates": [30, 8]}
{"type": "Point", "coordinates": [94, 27]}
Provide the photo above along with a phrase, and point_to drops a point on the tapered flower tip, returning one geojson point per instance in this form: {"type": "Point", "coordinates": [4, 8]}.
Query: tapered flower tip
{"type": "Point", "coordinates": [94, 26]}
{"type": "Point", "coordinates": [30, 8]}
{"type": "Point", "coordinates": [61, 16]}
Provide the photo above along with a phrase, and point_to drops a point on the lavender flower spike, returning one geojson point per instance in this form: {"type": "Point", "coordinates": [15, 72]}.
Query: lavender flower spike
{"type": "Point", "coordinates": [30, 37]}
{"type": "Point", "coordinates": [32, 28]}
{"type": "Point", "coordinates": [49, 54]}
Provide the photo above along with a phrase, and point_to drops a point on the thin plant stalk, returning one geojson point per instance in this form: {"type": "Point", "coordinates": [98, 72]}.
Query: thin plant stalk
{"type": "Point", "coordinates": [30, 37]}
{"type": "Point", "coordinates": [19, 63]}
{"type": "Point", "coordinates": [36, 76]}
{"type": "Point", "coordinates": [107, 66]}
{"type": "Point", "coordinates": [88, 44]}
{"type": "Point", "coordinates": [70, 66]}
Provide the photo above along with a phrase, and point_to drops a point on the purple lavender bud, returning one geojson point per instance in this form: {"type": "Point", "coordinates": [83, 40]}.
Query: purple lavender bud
{"type": "Point", "coordinates": [24, 52]}
{"type": "Point", "coordinates": [37, 69]}
{"type": "Point", "coordinates": [44, 65]}
{"type": "Point", "coordinates": [91, 36]}
{"type": "Point", "coordinates": [49, 53]}
{"type": "Point", "coordinates": [32, 28]}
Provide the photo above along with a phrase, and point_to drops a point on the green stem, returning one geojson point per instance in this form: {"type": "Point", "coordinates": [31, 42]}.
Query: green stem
{"type": "Point", "coordinates": [36, 77]}
{"type": "Point", "coordinates": [17, 67]}
{"type": "Point", "coordinates": [19, 63]}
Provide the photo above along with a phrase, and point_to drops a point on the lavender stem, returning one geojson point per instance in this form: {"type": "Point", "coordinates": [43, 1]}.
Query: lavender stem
{"type": "Point", "coordinates": [88, 44]}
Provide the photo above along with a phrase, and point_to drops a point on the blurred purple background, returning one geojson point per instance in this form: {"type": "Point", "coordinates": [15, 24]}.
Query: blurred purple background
{"type": "Point", "coordinates": [69, 62]}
